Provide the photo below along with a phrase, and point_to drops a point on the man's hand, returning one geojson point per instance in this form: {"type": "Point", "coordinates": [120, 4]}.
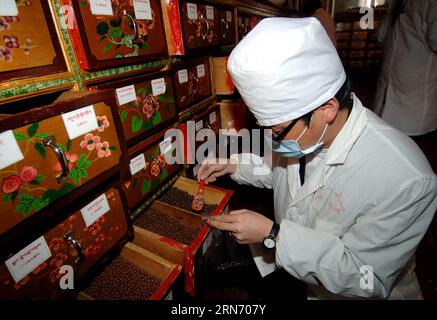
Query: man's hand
{"type": "Point", "coordinates": [245, 226]}
{"type": "Point", "coordinates": [211, 169]}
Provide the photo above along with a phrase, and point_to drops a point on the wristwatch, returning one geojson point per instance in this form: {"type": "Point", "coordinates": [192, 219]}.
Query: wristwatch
{"type": "Point", "coordinates": [270, 241]}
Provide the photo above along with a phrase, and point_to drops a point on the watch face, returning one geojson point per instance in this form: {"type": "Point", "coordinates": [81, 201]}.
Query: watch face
{"type": "Point", "coordinates": [269, 243]}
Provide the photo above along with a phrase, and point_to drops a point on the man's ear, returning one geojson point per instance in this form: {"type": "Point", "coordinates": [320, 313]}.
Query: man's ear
{"type": "Point", "coordinates": [329, 110]}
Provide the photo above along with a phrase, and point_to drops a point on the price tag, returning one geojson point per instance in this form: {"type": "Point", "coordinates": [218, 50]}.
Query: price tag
{"type": "Point", "coordinates": [8, 8]}
{"type": "Point", "coordinates": [165, 145]}
{"type": "Point", "coordinates": [199, 125]}
{"type": "Point", "coordinates": [209, 12]}
{"type": "Point", "coordinates": [192, 10]}
{"type": "Point", "coordinates": [25, 261]}
{"type": "Point", "coordinates": [80, 121]}
{"type": "Point", "coordinates": [142, 9]}
{"type": "Point", "coordinates": [183, 76]}
{"type": "Point", "coordinates": [200, 70]}
{"type": "Point", "coordinates": [126, 94]}
{"type": "Point", "coordinates": [101, 7]}
{"type": "Point", "coordinates": [10, 152]}
{"type": "Point", "coordinates": [158, 86]}
{"type": "Point", "coordinates": [137, 164]}
{"type": "Point", "coordinates": [228, 16]}
{"type": "Point", "coordinates": [212, 118]}
{"type": "Point", "coordinates": [95, 210]}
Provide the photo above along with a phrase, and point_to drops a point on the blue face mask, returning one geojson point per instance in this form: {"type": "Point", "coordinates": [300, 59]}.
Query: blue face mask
{"type": "Point", "coordinates": [291, 148]}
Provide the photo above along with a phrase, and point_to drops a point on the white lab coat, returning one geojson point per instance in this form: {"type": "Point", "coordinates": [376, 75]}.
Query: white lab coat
{"type": "Point", "coordinates": [406, 95]}
{"type": "Point", "coordinates": [367, 200]}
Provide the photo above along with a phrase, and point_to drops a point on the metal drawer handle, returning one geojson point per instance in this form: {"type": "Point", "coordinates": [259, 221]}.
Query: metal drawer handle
{"type": "Point", "coordinates": [227, 28]}
{"type": "Point", "coordinates": [203, 19]}
{"type": "Point", "coordinates": [196, 84]}
{"type": "Point", "coordinates": [69, 237]}
{"type": "Point", "coordinates": [50, 141]}
{"type": "Point", "coordinates": [134, 23]}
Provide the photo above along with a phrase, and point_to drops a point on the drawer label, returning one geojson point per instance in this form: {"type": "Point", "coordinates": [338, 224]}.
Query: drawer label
{"type": "Point", "coordinates": [209, 12]}
{"type": "Point", "coordinates": [212, 118]}
{"type": "Point", "coordinates": [80, 121]}
{"type": "Point", "coordinates": [8, 8]}
{"type": "Point", "coordinates": [165, 145]}
{"type": "Point", "coordinates": [192, 10]}
{"type": "Point", "coordinates": [183, 76]}
{"type": "Point", "coordinates": [25, 261]}
{"type": "Point", "coordinates": [199, 125]}
{"type": "Point", "coordinates": [10, 152]}
{"type": "Point", "coordinates": [126, 94]}
{"type": "Point", "coordinates": [143, 11]}
{"type": "Point", "coordinates": [101, 7]}
{"type": "Point", "coordinates": [137, 164]}
{"type": "Point", "coordinates": [95, 210]}
{"type": "Point", "coordinates": [200, 70]}
{"type": "Point", "coordinates": [158, 86]}
{"type": "Point", "coordinates": [228, 16]}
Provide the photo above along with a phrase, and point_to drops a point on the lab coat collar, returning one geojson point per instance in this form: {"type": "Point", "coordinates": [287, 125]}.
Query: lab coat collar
{"type": "Point", "coordinates": [337, 152]}
{"type": "Point", "coordinates": [348, 135]}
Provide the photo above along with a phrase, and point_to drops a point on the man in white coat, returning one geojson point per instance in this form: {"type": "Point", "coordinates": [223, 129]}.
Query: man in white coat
{"type": "Point", "coordinates": [406, 95]}
{"type": "Point", "coordinates": [349, 220]}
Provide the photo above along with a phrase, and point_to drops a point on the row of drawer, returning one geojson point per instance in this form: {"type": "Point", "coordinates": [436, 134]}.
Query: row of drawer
{"type": "Point", "coordinates": [104, 33]}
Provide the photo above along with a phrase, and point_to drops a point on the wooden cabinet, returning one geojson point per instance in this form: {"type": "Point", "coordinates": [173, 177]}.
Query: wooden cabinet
{"type": "Point", "coordinates": [123, 32]}
{"type": "Point", "coordinates": [200, 24]}
{"type": "Point", "coordinates": [29, 46]}
{"type": "Point", "coordinates": [227, 26]}
{"type": "Point", "coordinates": [79, 241]}
{"type": "Point", "coordinates": [52, 151]}
{"type": "Point", "coordinates": [148, 168]}
{"type": "Point", "coordinates": [192, 82]}
{"type": "Point", "coordinates": [145, 104]}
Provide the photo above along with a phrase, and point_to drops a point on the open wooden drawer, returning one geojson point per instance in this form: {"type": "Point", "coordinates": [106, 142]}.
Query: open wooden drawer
{"type": "Point", "coordinates": [166, 241]}
{"type": "Point", "coordinates": [127, 286]}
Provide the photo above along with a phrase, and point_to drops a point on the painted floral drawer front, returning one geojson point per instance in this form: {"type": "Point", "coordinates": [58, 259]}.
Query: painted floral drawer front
{"type": "Point", "coordinates": [133, 29]}
{"type": "Point", "coordinates": [153, 174]}
{"type": "Point", "coordinates": [192, 83]}
{"type": "Point", "coordinates": [227, 27]}
{"type": "Point", "coordinates": [31, 184]}
{"type": "Point", "coordinates": [150, 109]}
{"type": "Point", "coordinates": [200, 25]}
{"type": "Point", "coordinates": [95, 240]}
{"type": "Point", "coordinates": [28, 40]}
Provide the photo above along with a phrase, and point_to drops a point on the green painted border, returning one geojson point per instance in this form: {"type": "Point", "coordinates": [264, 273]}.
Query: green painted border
{"type": "Point", "coordinates": [187, 114]}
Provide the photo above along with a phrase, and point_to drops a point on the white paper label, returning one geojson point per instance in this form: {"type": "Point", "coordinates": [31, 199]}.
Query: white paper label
{"type": "Point", "coordinates": [200, 70]}
{"type": "Point", "coordinates": [8, 8]}
{"type": "Point", "coordinates": [137, 164]}
{"type": "Point", "coordinates": [165, 145]}
{"type": "Point", "coordinates": [246, 21]}
{"type": "Point", "coordinates": [209, 12]}
{"type": "Point", "coordinates": [240, 21]}
{"type": "Point", "coordinates": [199, 125]}
{"type": "Point", "coordinates": [80, 121]}
{"type": "Point", "coordinates": [158, 86]}
{"type": "Point", "coordinates": [142, 9]}
{"type": "Point", "coordinates": [101, 7]}
{"type": "Point", "coordinates": [10, 152]}
{"type": "Point", "coordinates": [228, 16]}
{"type": "Point", "coordinates": [126, 94]}
{"type": "Point", "coordinates": [25, 261]}
{"type": "Point", "coordinates": [94, 210]}
{"type": "Point", "coordinates": [183, 76]}
{"type": "Point", "coordinates": [212, 118]}
{"type": "Point", "coordinates": [192, 10]}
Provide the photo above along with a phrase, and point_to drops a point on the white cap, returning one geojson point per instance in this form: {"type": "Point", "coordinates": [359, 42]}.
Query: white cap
{"type": "Point", "coordinates": [285, 68]}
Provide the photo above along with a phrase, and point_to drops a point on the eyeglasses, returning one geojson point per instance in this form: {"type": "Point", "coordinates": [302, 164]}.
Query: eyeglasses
{"type": "Point", "coordinates": [281, 135]}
